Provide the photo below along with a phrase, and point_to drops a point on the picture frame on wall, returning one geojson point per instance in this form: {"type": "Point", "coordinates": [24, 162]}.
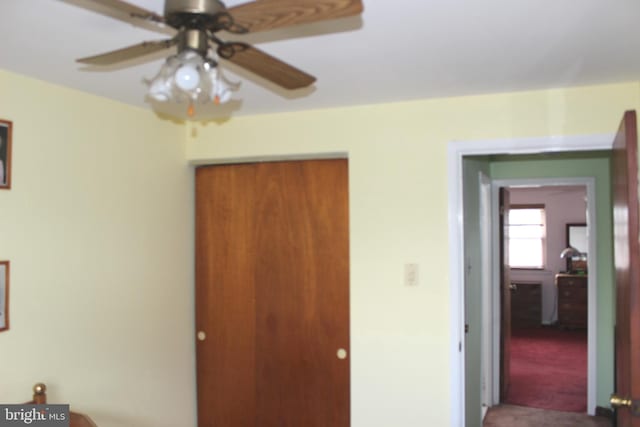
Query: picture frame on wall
{"type": "Point", "coordinates": [5, 154]}
{"type": "Point", "coordinates": [4, 295]}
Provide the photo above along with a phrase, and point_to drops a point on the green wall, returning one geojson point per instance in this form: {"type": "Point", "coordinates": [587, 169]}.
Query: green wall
{"type": "Point", "coordinates": [472, 166]}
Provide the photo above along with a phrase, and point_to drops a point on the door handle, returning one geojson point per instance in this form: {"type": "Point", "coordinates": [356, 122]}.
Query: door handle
{"type": "Point", "coordinates": [513, 287]}
{"type": "Point", "coordinates": [620, 402]}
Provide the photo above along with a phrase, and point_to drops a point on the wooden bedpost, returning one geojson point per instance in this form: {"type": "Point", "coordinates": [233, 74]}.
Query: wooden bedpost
{"type": "Point", "coordinates": [40, 394]}
{"type": "Point", "coordinates": [75, 419]}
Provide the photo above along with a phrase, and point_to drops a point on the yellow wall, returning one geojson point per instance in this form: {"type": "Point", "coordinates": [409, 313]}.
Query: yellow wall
{"type": "Point", "coordinates": [398, 206]}
{"type": "Point", "coordinates": [97, 227]}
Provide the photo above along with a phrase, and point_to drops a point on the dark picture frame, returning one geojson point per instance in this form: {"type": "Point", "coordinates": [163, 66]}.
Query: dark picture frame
{"type": "Point", "coordinates": [4, 295]}
{"type": "Point", "coordinates": [6, 128]}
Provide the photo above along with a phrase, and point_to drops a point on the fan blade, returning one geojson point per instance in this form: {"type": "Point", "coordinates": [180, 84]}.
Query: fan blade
{"type": "Point", "coordinates": [265, 65]}
{"type": "Point", "coordinates": [264, 15]}
{"type": "Point", "coordinates": [127, 53]}
{"type": "Point", "coordinates": [129, 9]}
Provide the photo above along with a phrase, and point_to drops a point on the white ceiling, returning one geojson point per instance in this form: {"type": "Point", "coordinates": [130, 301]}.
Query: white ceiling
{"type": "Point", "coordinates": [397, 50]}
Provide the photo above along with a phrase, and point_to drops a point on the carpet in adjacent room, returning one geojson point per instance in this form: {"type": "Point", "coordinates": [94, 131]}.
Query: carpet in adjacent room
{"type": "Point", "coordinates": [549, 369]}
{"type": "Point", "coordinates": [519, 416]}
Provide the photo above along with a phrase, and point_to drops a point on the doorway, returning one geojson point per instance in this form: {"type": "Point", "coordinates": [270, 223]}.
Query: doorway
{"type": "Point", "coordinates": [548, 293]}
{"type": "Point", "coordinates": [590, 170]}
{"type": "Point", "coordinates": [469, 411]}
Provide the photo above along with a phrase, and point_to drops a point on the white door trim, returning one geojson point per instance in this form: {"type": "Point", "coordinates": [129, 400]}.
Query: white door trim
{"type": "Point", "coordinates": [455, 152]}
{"type": "Point", "coordinates": [494, 339]}
{"type": "Point", "coordinates": [488, 319]}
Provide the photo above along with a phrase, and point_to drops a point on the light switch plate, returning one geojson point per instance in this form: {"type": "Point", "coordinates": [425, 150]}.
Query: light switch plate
{"type": "Point", "coordinates": [411, 275]}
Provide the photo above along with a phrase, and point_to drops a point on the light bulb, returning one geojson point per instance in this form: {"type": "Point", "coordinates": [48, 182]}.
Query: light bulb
{"type": "Point", "coordinates": [187, 78]}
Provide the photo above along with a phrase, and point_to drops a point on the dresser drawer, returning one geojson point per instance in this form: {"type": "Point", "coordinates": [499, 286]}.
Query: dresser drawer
{"type": "Point", "coordinates": [571, 306]}
{"type": "Point", "coordinates": [572, 281]}
{"type": "Point", "coordinates": [572, 301]}
{"type": "Point", "coordinates": [573, 318]}
{"type": "Point", "coordinates": [573, 293]}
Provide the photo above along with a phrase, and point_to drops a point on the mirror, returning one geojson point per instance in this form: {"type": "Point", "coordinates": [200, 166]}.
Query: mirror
{"type": "Point", "coordinates": [577, 238]}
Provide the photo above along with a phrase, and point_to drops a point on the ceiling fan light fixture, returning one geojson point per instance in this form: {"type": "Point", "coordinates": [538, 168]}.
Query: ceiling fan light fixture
{"type": "Point", "coordinates": [189, 77]}
{"type": "Point", "coordinates": [193, 75]}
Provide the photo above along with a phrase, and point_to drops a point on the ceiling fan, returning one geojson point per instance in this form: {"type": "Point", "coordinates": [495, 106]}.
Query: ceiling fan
{"type": "Point", "coordinates": [192, 74]}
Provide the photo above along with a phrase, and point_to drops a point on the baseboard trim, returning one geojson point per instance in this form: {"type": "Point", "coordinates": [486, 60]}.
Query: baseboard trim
{"type": "Point", "coordinates": [604, 412]}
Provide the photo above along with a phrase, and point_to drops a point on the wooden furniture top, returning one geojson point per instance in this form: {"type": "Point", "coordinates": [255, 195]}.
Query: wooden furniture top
{"type": "Point", "coordinates": [570, 275]}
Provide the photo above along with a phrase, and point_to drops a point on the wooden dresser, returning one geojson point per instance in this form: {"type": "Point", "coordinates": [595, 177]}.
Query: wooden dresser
{"type": "Point", "coordinates": [526, 304]}
{"type": "Point", "coordinates": [572, 300]}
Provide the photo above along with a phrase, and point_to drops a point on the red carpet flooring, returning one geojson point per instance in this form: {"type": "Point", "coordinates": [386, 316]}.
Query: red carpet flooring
{"type": "Point", "coordinates": [549, 369]}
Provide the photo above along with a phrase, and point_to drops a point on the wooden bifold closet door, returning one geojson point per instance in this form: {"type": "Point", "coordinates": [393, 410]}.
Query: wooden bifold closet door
{"type": "Point", "coordinates": [272, 294]}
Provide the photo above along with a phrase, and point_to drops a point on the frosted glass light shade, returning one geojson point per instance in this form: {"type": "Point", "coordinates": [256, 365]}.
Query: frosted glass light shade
{"type": "Point", "coordinates": [159, 90]}
{"type": "Point", "coordinates": [192, 79]}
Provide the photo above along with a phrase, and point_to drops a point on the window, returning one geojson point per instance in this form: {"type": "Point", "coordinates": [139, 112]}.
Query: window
{"type": "Point", "coordinates": [527, 235]}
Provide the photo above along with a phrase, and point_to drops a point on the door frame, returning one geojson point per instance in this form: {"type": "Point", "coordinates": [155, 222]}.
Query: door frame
{"type": "Point", "coordinates": [492, 340]}
{"type": "Point", "coordinates": [456, 151]}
